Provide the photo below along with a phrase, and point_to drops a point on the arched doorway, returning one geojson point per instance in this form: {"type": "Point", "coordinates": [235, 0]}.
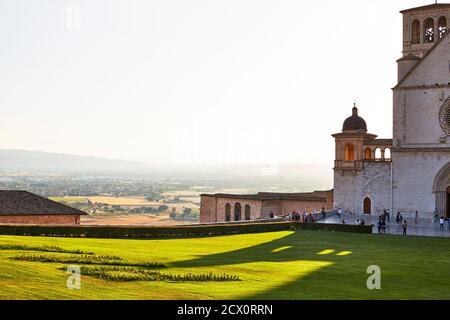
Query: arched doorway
{"type": "Point", "coordinates": [441, 189]}
{"type": "Point", "coordinates": [247, 212]}
{"type": "Point", "coordinates": [367, 205]}
{"type": "Point", "coordinates": [228, 212]}
{"type": "Point", "coordinates": [237, 212]}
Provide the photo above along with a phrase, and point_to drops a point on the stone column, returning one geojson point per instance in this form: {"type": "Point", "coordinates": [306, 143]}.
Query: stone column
{"type": "Point", "coordinates": [441, 203]}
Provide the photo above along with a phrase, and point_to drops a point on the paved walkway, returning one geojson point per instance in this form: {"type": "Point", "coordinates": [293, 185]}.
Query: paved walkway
{"type": "Point", "coordinates": [424, 227]}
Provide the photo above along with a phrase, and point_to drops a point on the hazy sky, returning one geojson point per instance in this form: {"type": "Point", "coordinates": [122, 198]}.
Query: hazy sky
{"type": "Point", "coordinates": [195, 82]}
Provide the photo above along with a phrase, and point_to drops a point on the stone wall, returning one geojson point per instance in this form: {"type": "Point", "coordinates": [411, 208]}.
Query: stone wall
{"type": "Point", "coordinates": [414, 174]}
{"type": "Point", "coordinates": [255, 208]}
{"type": "Point", "coordinates": [347, 190]}
{"type": "Point", "coordinates": [40, 219]}
{"type": "Point", "coordinates": [374, 182]}
{"type": "Point", "coordinates": [287, 206]}
{"type": "Point", "coordinates": [416, 118]}
{"type": "Point", "coordinates": [208, 209]}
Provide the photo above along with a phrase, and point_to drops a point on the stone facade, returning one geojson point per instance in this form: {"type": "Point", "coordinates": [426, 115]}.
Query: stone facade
{"type": "Point", "coordinates": [418, 177]}
{"type": "Point", "coordinates": [421, 140]}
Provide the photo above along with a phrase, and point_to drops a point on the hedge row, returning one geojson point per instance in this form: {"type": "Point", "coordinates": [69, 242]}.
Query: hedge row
{"type": "Point", "coordinates": [335, 227]}
{"type": "Point", "coordinates": [171, 232]}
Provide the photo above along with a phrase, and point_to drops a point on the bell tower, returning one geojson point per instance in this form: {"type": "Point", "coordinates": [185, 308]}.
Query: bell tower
{"type": "Point", "coordinates": [350, 143]}
{"type": "Point", "coordinates": [423, 27]}
{"type": "Point", "coordinates": [361, 169]}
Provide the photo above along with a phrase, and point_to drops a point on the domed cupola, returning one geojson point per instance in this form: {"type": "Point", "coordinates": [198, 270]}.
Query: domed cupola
{"type": "Point", "coordinates": [355, 123]}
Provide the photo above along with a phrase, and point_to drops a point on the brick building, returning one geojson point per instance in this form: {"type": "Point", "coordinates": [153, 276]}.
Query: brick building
{"type": "Point", "coordinates": [22, 207]}
{"type": "Point", "coordinates": [229, 207]}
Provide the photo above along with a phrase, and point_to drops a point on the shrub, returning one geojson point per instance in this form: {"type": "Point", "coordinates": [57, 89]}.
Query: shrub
{"type": "Point", "coordinates": [86, 259]}
{"type": "Point", "coordinates": [122, 274]}
{"type": "Point", "coordinates": [43, 248]}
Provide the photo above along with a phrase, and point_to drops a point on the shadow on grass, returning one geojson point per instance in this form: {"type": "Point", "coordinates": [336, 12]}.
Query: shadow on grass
{"type": "Point", "coordinates": [295, 247]}
{"type": "Point", "coordinates": [286, 249]}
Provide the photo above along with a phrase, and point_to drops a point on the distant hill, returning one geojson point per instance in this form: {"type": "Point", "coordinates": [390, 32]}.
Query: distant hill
{"type": "Point", "coordinates": [23, 160]}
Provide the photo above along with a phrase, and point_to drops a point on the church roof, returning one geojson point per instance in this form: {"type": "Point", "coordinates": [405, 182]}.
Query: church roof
{"type": "Point", "coordinates": [409, 57]}
{"type": "Point", "coordinates": [376, 142]}
{"type": "Point", "coordinates": [355, 122]}
{"type": "Point", "coordinates": [430, 6]}
{"type": "Point", "coordinates": [25, 203]}
{"type": "Point", "coordinates": [267, 196]}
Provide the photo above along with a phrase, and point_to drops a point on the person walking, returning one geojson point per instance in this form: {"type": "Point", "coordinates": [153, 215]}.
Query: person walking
{"type": "Point", "coordinates": [339, 213]}
{"type": "Point", "coordinates": [416, 218]}
{"type": "Point", "coordinates": [441, 223]}
{"type": "Point", "coordinates": [404, 226]}
{"type": "Point", "coordinates": [380, 223]}
{"type": "Point", "coordinates": [323, 212]}
{"type": "Point", "coordinates": [383, 227]}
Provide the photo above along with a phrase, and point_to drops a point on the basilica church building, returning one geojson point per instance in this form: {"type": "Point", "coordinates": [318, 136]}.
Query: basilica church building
{"type": "Point", "coordinates": [411, 172]}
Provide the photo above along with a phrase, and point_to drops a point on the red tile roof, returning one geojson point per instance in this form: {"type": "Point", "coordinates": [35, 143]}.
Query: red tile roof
{"type": "Point", "coordinates": [26, 203]}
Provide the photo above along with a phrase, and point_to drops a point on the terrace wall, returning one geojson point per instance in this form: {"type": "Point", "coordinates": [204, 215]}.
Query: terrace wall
{"type": "Point", "coordinates": [40, 219]}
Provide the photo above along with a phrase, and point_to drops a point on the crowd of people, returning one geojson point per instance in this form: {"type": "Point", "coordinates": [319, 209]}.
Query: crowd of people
{"type": "Point", "coordinates": [384, 219]}
{"type": "Point", "coordinates": [304, 217]}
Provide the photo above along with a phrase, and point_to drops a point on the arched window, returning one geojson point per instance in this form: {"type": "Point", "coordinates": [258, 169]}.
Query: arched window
{"type": "Point", "coordinates": [247, 212]}
{"type": "Point", "coordinates": [428, 29]}
{"type": "Point", "coordinates": [367, 205]}
{"type": "Point", "coordinates": [378, 154]}
{"type": "Point", "coordinates": [442, 26]}
{"type": "Point", "coordinates": [228, 212]}
{"type": "Point", "coordinates": [368, 154]}
{"type": "Point", "coordinates": [237, 212]}
{"type": "Point", "coordinates": [415, 32]}
{"type": "Point", "coordinates": [349, 152]}
{"type": "Point", "coordinates": [387, 154]}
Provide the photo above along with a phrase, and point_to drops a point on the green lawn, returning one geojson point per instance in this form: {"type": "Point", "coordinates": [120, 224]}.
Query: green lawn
{"type": "Point", "coordinates": [280, 265]}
